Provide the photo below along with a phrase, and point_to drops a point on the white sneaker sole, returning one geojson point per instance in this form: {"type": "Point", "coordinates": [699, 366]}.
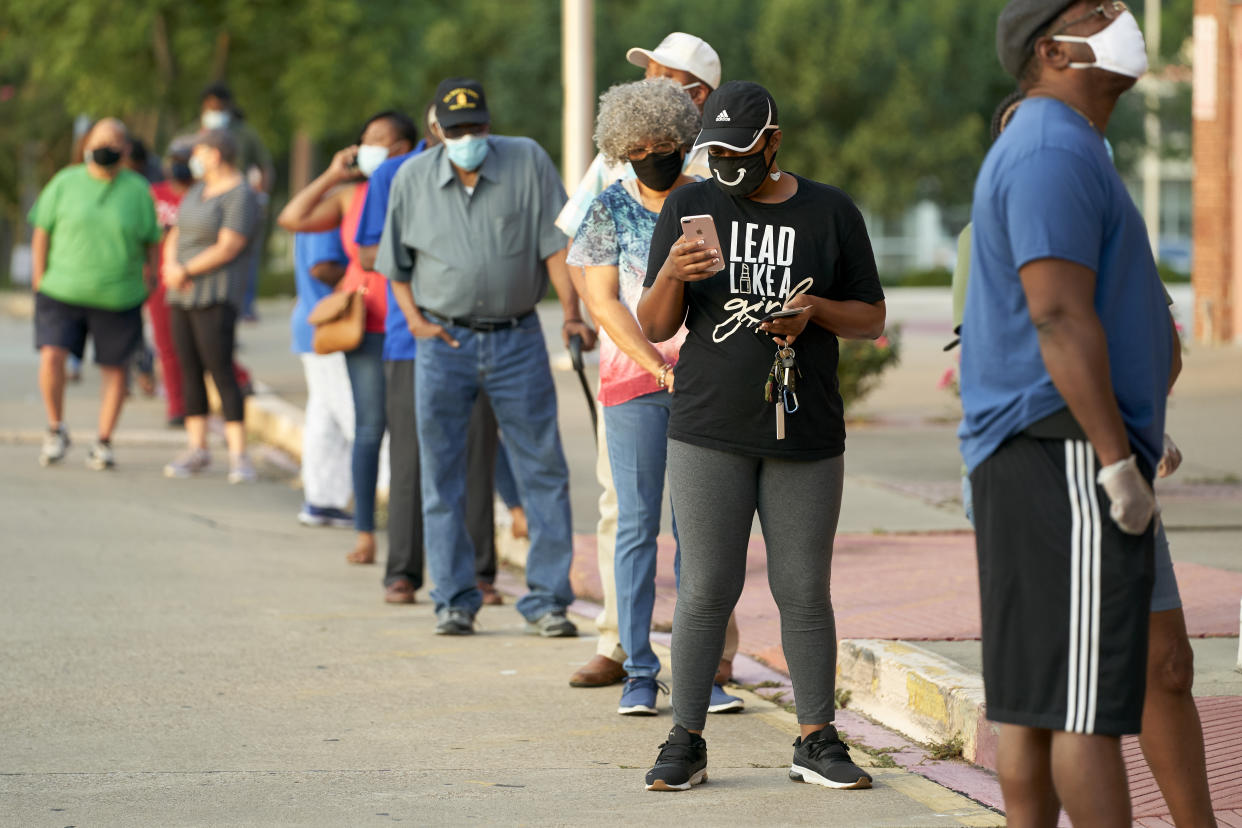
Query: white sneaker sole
{"type": "Point", "coordinates": [46, 461]}
{"type": "Point", "coordinates": [696, 779]}
{"type": "Point", "coordinates": [729, 707]}
{"type": "Point", "coordinates": [638, 710]}
{"type": "Point", "coordinates": [801, 774]}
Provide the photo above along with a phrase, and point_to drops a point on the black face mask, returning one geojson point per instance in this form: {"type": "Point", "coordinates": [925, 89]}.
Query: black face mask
{"type": "Point", "coordinates": [740, 175]}
{"type": "Point", "coordinates": [658, 172]}
{"type": "Point", "coordinates": [180, 170]}
{"type": "Point", "coordinates": [104, 156]}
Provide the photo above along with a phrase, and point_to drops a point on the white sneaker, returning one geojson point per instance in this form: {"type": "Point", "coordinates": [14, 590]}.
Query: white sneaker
{"type": "Point", "coordinates": [55, 445]}
{"type": "Point", "coordinates": [240, 470]}
{"type": "Point", "coordinates": [189, 463]}
{"type": "Point", "coordinates": [100, 457]}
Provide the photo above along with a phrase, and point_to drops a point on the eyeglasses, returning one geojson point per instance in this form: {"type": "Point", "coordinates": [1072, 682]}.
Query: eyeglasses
{"type": "Point", "coordinates": [1109, 11]}
{"type": "Point", "coordinates": [662, 148]}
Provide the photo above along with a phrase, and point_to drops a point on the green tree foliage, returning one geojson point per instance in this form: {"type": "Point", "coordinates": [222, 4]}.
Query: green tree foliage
{"type": "Point", "coordinates": [889, 99]}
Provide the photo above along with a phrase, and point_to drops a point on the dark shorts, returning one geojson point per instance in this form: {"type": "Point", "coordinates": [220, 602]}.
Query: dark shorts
{"type": "Point", "coordinates": [1065, 593]}
{"type": "Point", "coordinates": [117, 334]}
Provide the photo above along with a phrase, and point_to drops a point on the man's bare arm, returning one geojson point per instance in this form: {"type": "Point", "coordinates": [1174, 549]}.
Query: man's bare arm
{"type": "Point", "coordinates": [1060, 297]}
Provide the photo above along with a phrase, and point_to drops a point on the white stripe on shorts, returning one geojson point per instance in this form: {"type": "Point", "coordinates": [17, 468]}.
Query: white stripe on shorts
{"type": "Point", "coordinates": [1084, 627]}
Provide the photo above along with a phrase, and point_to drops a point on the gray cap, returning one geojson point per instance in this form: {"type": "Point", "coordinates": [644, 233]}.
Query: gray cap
{"type": "Point", "coordinates": [1017, 26]}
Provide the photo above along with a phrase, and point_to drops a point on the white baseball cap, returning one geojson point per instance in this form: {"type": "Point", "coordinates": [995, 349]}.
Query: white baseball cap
{"type": "Point", "coordinates": [683, 52]}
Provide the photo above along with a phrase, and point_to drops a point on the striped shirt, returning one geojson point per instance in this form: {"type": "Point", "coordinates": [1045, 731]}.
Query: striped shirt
{"type": "Point", "coordinates": [198, 227]}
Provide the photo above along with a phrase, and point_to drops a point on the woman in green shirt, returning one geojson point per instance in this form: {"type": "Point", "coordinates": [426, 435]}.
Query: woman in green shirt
{"type": "Point", "coordinates": [94, 232]}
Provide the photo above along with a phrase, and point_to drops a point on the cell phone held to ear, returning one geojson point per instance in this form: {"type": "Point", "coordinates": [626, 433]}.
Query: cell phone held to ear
{"type": "Point", "coordinates": [703, 228]}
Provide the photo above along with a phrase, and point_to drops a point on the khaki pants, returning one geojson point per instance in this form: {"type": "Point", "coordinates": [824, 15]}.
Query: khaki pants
{"type": "Point", "coordinates": [606, 543]}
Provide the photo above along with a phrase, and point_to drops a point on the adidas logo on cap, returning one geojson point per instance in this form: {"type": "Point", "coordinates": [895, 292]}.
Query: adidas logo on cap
{"type": "Point", "coordinates": [723, 116]}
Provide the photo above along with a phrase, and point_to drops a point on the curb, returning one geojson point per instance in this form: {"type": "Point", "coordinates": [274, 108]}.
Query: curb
{"type": "Point", "coordinates": [919, 693]}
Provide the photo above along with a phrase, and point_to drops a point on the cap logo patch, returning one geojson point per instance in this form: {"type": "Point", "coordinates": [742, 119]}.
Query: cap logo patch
{"type": "Point", "coordinates": [723, 116]}
{"type": "Point", "coordinates": [461, 98]}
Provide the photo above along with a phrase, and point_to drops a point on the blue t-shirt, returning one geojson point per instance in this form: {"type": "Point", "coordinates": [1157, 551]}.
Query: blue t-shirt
{"type": "Point", "coordinates": [309, 249]}
{"type": "Point", "coordinates": [398, 341]}
{"type": "Point", "coordinates": [1048, 190]}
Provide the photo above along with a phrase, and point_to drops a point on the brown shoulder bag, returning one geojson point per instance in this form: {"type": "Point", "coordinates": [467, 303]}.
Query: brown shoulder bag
{"type": "Point", "coordinates": [339, 320]}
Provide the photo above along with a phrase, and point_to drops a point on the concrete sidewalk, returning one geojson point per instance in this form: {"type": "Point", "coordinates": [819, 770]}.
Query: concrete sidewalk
{"type": "Point", "coordinates": [182, 653]}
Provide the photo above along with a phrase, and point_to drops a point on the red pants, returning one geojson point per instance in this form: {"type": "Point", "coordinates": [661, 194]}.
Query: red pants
{"type": "Point", "coordinates": [170, 368]}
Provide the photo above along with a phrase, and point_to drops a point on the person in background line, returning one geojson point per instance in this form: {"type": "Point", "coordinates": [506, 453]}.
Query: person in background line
{"type": "Point", "coordinates": [204, 271]}
{"type": "Point", "coordinates": [1067, 357]}
{"type": "Point", "coordinates": [94, 233]}
{"type": "Point", "coordinates": [319, 262]}
{"type": "Point", "coordinates": [787, 243]}
{"type": "Point", "coordinates": [695, 66]}
{"type": "Point", "coordinates": [143, 361]}
{"type": "Point", "coordinates": [218, 110]}
{"type": "Point", "coordinates": [403, 574]}
{"type": "Point", "coordinates": [335, 200]}
{"type": "Point", "coordinates": [651, 124]}
{"type": "Point", "coordinates": [470, 237]}
{"type": "Point", "coordinates": [167, 194]}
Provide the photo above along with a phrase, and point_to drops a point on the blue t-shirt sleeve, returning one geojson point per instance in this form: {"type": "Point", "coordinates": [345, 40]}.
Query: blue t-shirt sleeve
{"type": "Point", "coordinates": [371, 223]}
{"type": "Point", "coordinates": [325, 247]}
{"type": "Point", "coordinates": [1055, 206]}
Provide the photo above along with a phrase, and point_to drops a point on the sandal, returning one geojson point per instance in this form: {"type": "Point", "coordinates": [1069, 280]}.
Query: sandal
{"type": "Point", "coordinates": [364, 550]}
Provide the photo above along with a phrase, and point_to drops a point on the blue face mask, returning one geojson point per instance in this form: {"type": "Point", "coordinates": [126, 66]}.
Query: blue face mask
{"type": "Point", "coordinates": [468, 151]}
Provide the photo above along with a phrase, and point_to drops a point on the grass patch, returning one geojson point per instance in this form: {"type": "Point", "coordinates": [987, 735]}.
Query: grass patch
{"type": "Point", "coordinates": [843, 698]}
{"type": "Point", "coordinates": [950, 749]}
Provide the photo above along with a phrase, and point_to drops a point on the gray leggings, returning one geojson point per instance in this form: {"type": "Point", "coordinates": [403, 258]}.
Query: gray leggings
{"type": "Point", "coordinates": [715, 495]}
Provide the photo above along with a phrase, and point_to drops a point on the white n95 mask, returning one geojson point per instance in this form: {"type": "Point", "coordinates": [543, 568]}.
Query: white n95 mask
{"type": "Point", "coordinates": [370, 156]}
{"type": "Point", "coordinates": [1119, 47]}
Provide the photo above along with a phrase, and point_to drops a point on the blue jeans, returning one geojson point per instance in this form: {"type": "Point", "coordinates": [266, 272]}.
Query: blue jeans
{"type": "Point", "coordinates": [637, 444]}
{"type": "Point", "coordinates": [511, 366]}
{"type": "Point", "coordinates": [366, 377]}
{"type": "Point", "coordinates": [506, 486]}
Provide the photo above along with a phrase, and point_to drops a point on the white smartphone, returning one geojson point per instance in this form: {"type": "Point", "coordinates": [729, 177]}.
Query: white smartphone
{"type": "Point", "coordinates": [703, 228]}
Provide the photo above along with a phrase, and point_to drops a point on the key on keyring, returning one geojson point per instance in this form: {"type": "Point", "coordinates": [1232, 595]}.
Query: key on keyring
{"type": "Point", "coordinates": [786, 358]}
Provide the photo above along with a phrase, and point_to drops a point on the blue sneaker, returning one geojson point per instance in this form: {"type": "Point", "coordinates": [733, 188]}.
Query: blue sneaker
{"type": "Point", "coordinates": [638, 698]}
{"type": "Point", "coordinates": [325, 516]}
{"type": "Point", "coordinates": [722, 702]}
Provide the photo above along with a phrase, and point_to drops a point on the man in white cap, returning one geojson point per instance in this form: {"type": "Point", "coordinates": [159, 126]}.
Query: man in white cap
{"type": "Point", "coordinates": [694, 64]}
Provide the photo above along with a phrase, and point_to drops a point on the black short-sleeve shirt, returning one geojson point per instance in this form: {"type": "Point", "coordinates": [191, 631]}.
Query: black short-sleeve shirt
{"type": "Point", "coordinates": [816, 243]}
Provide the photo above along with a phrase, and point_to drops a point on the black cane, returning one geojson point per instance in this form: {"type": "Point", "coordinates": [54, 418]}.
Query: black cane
{"type": "Point", "coordinates": [575, 357]}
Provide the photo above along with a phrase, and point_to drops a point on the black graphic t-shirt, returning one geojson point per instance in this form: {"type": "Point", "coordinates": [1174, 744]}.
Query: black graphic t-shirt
{"type": "Point", "coordinates": [815, 243]}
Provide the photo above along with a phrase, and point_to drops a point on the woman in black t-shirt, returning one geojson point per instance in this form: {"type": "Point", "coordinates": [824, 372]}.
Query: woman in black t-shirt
{"type": "Point", "coordinates": [785, 243]}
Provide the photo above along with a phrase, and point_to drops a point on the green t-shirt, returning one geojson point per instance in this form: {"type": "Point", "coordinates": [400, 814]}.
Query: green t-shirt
{"type": "Point", "coordinates": [99, 232]}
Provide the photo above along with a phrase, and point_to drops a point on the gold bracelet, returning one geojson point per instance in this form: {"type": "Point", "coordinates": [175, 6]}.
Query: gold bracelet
{"type": "Point", "coordinates": [663, 378]}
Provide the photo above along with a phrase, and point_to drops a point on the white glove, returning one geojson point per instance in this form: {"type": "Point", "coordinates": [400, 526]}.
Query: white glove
{"type": "Point", "coordinates": [1132, 501]}
{"type": "Point", "coordinates": [1170, 460]}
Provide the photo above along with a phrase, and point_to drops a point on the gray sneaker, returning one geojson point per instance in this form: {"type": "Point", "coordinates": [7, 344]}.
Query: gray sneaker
{"type": "Point", "coordinates": [240, 470]}
{"type": "Point", "coordinates": [100, 457]}
{"type": "Point", "coordinates": [552, 624]}
{"type": "Point", "coordinates": [188, 463]}
{"type": "Point", "coordinates": [454, 621]}
{"type": "Point", "coordinates": [55, 445]}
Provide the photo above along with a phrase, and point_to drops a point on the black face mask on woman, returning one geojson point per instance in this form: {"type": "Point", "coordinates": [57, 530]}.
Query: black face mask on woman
{"type": "Point", "coordinates": [740, 175]}
{"type": "Point", "coordinates": [658, 172]}
{"type": "Point", "coordinates": [104, 156]}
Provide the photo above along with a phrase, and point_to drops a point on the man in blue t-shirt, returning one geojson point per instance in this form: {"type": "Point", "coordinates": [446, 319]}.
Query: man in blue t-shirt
{"type": "Point", "coordinates": [403, 574]}
{"type": "Point", "coordinates": [1067, 351]}
{"type": "Point", "coordinates": [319, 262]}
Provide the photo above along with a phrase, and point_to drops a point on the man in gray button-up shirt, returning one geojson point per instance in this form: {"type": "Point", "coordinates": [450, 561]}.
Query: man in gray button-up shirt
{"type": "Point", "coordinates": [470, 245]}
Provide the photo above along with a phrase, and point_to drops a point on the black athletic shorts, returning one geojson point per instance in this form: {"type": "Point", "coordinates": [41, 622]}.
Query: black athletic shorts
{"type": "Point", "coordinates": [1065, 593]}
{"type": "Point", "coordinates": [117, 334]}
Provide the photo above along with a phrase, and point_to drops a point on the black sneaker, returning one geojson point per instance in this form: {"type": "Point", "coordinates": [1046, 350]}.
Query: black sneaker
{"type": "Point", "coordinates": [682, 762]}
{"type": "Point", "coordinates": [823, 759]}
{"type": "Point", "coordinates": [454, 621]}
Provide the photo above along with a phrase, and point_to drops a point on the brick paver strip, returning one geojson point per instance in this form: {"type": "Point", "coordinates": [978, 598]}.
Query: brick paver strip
{"type": "Point", "coordinates": [911, 587]}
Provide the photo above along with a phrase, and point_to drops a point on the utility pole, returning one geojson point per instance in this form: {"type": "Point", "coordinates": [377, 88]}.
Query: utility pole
{"type": "Point", "coordinates": [1151, 157]}
{"type": "Point", "coordinates": [578, 80]}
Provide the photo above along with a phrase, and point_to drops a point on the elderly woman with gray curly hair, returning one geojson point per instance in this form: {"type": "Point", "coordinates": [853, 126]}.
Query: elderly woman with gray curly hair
{"type": "Point", "coordinates": [650, 124]}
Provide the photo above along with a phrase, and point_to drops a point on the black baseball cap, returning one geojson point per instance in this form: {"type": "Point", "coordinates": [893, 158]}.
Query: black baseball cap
{"type": "Point", "coordinates": [461, 101]}
{"type": "Point", "coordinates": [735, 115]}
{"type": "Point", "coordinates": [1017, 27]}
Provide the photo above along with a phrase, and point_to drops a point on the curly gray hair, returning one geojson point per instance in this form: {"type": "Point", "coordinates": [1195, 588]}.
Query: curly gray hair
{"type": "Point", "coordinates": [631, 114]}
